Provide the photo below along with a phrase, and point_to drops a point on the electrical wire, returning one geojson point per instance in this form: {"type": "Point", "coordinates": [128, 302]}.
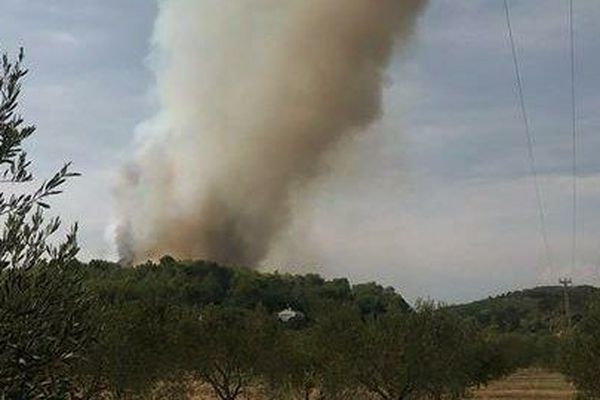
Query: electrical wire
{"type": "Point", "coordinates": [529, 136]}
{"type": "Point", "coordinates": [574, 137]}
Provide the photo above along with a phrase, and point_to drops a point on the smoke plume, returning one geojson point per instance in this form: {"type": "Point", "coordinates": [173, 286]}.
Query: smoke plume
{"type": "Point", "coordinates": [253, 96]}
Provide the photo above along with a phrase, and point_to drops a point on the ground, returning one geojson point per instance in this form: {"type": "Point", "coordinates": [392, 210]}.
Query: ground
{"type": "Point", "coordinates": [529, 384]}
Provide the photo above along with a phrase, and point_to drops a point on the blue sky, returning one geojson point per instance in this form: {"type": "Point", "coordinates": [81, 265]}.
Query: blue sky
{"type": "Point", "coordinates": [436, 199]}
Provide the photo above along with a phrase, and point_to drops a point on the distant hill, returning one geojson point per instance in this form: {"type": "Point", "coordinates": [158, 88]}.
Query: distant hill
{"type": "Point", "coordinates": [537, 310]}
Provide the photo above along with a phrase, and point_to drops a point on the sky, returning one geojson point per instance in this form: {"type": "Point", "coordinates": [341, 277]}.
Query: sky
{"type": "Point", "coordinates": [436, 199]}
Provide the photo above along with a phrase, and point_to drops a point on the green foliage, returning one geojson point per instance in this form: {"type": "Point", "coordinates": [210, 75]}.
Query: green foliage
{"type": "Point", "coordinates": [524, 327]}
{"type": "Point", "coordinates": [229, 346]}
{"type": "Point", "coordinates": [220, 324]}
{"type": "Point", "coordinates": [135, 349]}
{"type": "Point", "coordinates": [512, 351]}
{"type": "Point", "coordinates": [538, 310]}
{"type": "Point", "coordinates": [43, 308]}
{"type": "Point", "coordinates": [580, 353]}
{"type": "Point", "coordinates": [199, 283]}
{"type": "Point", "coordinates": [294, 366]}
{"type": "Point", "coordinates": [44, 331]}
{"type": "Point", "coordinates": [162, 325]}
{"type": "Point", "coordinates": [428, 352]}
{"type": "Point", "coordinates": [23, 243]}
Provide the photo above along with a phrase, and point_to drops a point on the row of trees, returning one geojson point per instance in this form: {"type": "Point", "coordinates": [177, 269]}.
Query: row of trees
{"type": "Point", "coordinates": [151, 343]}
{"type": "Point", "coordinates": [423, 353]}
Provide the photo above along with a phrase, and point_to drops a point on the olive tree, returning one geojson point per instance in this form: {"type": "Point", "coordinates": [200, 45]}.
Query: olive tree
{"type": "Point", "coordinates": [42, 305]}
{"type": "Point", "coordinates": [423, 353]}
{"type": "Point", "coordinates": [226, 347]}
{"type": "Point", "coordinates": [294, 368]}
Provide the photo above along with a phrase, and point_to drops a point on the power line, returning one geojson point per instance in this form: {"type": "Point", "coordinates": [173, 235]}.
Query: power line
{"type": "Point", "coordinates": [528, 134]}
{"type": "Point", "coordinates": [574, 137]}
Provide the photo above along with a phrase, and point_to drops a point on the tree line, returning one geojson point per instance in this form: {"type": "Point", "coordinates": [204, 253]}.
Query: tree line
{"type": "Point", "coordinates": [360, 341]}
{"type": "Point", "coordinates": [148, 343]}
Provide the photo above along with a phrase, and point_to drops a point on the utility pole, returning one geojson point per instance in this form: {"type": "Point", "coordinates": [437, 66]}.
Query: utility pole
{"type": "Point", "coordinates": [566, 282]}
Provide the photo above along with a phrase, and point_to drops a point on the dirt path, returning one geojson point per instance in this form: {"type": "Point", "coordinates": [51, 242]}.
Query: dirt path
{"type": "Point", "coordinates": [530, 384]}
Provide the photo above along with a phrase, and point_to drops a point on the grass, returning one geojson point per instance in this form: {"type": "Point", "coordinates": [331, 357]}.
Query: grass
{"type": "Point", "coordinates": [529, 384]}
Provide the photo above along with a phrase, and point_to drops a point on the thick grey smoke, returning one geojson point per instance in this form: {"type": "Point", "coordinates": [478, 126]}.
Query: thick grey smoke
{"type": "Point", "coordinates": [253, 95]}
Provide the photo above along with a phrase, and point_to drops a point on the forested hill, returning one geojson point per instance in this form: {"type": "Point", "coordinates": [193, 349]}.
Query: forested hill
{"type": "Point", "coordinates": [199, 283]}
{"type": "Point", "coordinates": [527, 311]}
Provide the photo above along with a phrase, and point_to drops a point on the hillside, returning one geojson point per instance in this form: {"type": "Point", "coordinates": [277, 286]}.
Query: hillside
{"type": "Point", "coordinates": [537, 310]}
{"type": "Point", "coordinates": [197, 283]}
{"type": "Point", "coordinates": [200, 283]}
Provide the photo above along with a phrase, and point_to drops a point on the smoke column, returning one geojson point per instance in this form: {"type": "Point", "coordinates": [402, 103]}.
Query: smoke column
{"type": "Point", "coordinates": [253, 96]}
